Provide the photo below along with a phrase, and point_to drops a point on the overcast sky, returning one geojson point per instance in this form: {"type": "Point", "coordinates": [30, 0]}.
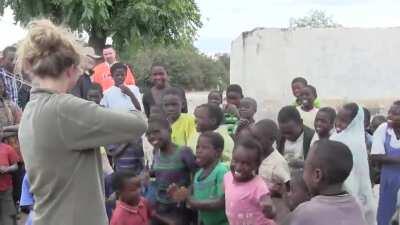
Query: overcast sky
{"type": "Point", "coordinates": [224, 20]}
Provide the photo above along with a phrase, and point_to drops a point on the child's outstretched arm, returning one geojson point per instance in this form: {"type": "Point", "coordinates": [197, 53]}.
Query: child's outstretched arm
{"type": "Point", "coordinates": [211, 204]}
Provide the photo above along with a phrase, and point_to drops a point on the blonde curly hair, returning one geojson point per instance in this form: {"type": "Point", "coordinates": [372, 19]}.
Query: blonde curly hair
{"type": "Point", "coordinates": [48, 50]}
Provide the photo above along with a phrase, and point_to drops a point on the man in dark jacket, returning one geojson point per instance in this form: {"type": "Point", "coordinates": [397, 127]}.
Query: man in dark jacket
{"type": "Point", "coordinates": [295, 138]}
{"type": "Point", "coordinates": [83, 84]}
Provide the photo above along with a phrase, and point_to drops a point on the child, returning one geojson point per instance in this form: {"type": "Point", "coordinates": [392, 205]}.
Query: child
{"type": "Point", "coordinates": [298, 190]}
{"type": "Point", "coordinates": [183, 125]}
{"type": "Point", "coordinates": [120, 96]}
{"type": "Point", "coordinates": [126, 156]}
{"type": "Point", "coordinates": [27, 201]}
{"type": "Point", "coordinates": [8, 165]}
{"type": "Point", "coordinates": [159, 83]}
{"type": "Point", "coordinates": [274, 168]}
{"type": "Point", "coordinates": [307, 110]}
{"type": "Point", "coordinates": [350, 131]}
{"type": "Point", "coordinates": [327, 166]}
{"type": "Point", "coordinates": [385, 151]}
{"type": "Point", "coordinates": [234, 94]}
{"type": "Point", "coordinates": [247, 197]}
{"type": "Point", "coordinates": [298, 84]}
{"type": "Point", "coordinates": [295, 136]}
{"type": "Point", "coordinates": [215, 97]}
{"type": "Point", "coordinates": [247, 109]}
{"type": "Point", "coordinates": [376, 122]}
{"type": "Point", "coordinates": [95, 93]}
{"type": "Point", "coordinates": [209, 118]}
{"type": "Point", "coordinates": [324, 124]}
{"type": "Point", "coordinates": [131, 209]}
{"type": "Point", "coordinates": [172, 165]}
{"type": "Point", "coordinates": [208, 181]}
{"type": "Point", "coordinates": [367, 123]}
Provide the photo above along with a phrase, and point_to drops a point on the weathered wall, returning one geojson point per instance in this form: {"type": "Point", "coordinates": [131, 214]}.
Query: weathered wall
{"type": "Point", "coordinates": [344, 64]}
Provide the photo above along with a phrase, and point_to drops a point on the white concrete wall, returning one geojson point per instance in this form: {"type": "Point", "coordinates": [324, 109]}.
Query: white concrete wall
{"type": "Point", "coordinates": [344, 64]}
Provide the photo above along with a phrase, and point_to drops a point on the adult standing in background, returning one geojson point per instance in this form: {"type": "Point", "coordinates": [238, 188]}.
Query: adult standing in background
{"type": "Point", "coordinates": [102, 74]}
{"type": "Point", "coordinates": [84, 82]}
{"type": "Point", "coordinates": [159, 81]}
{"type": "Point", "coordinates": [7, 73]}
{"type": "Point", "coordinates": [59, 133]}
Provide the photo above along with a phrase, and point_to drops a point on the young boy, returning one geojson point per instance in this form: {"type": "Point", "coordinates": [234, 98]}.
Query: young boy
{"type": "Point", "coordinates": [127, 156]}
{"type": "Point", "coordinates": [182, 124]}
{"type": "Point", "coordinates": [120, 96]}
{"type": "Point", "coordinates": [131, 209]}
{"type": "Point", "coordinates": [8, 165]}
{"type": "Point", "coordinates": [327, 166]}
{"type": "Point", "coordinates": [274, 168]}
{"type": "Point", "coordinates": [247, 109]}
{"type": "Point", "coordinates": [295, 136]}
{"type": "Point", "coordinates": [95, 93]}
{"type": "Point", "coordinates": [215, 97]}
{"type": "Point", "coordinates": [376, 122]}
{"type": "Point", "coordinates": [209, 118]}
{"type": "Point", "coordinates": [234, 94]}
{"type": "Point", "coordinates": [324, 123]}
{"type": "Point", "coordinates": [298, 84]}
{"type": "Point", "coordinates": [307, 109]}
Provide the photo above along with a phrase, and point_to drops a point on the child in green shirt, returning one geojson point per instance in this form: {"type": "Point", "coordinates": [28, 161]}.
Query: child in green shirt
{"type": "Point", "coordinates": [207, 183]}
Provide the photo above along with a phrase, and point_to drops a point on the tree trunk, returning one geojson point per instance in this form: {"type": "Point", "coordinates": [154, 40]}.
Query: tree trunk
{"type": "Point", "coordinates": [97, 40]}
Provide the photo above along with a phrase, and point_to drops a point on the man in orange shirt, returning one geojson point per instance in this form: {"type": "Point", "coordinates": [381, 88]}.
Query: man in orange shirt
{"type": "Point", "coordinates": [102, 74]}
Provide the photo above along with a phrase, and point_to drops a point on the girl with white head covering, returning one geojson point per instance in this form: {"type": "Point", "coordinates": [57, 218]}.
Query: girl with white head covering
{"type": "Point", "coordinates": [350, 131]}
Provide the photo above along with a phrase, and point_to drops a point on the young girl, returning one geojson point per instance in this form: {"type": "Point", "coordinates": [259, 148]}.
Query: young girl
{"type": "Point", "coordinates": [350, 131]}
{"type": "Point", "coordinates": [183, 124]}
{"type": "Point", "coordinates": [209, 118]}
{"type": "Point", "coordinates": [324, 124]}
{"type": "Point", "coordinates": [247, 197]}
{"type": "Point", "coordinates": [385, 151]}
{"type": "Point", "coordinates": [207, 183]}
{"type": "Point", "coordinates": [307, 110]}
{"type": "Point", "coordinates": [172, 165]}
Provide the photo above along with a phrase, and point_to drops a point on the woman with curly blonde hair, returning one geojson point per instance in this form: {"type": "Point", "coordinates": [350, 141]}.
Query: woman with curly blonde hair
{"type": "Point", "coordinates": [60, 133]}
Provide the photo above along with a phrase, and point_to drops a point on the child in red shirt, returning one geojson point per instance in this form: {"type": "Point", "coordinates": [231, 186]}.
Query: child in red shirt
{"type": "Point", "coordinates": [131, 208]}
{"type": "Point", "coordinates": [8, 164]}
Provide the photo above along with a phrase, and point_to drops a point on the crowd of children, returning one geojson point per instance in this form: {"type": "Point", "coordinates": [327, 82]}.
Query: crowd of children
{"type": "Point", "coordinates": [221, 166]}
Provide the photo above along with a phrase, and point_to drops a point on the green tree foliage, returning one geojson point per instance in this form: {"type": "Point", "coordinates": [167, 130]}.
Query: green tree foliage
{"type": "Point", "coordinates": [186, 67]}
{"type": "Point", "coordinates": [126, 21]}
{"type": "Point", "coordinates": [314, 19]}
